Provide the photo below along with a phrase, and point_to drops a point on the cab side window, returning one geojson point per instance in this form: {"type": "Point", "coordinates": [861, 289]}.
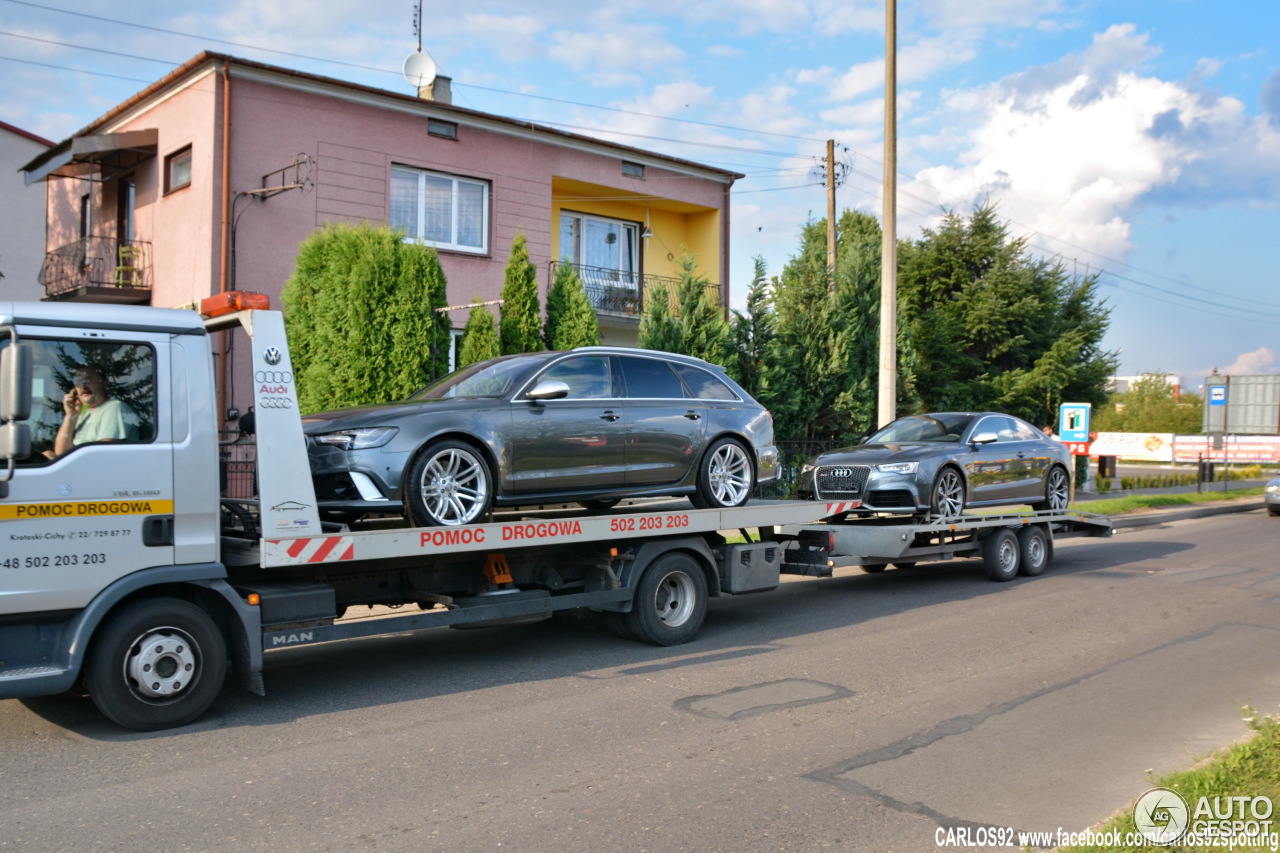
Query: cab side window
{"type": "Point", "coordinates": [90, 393]}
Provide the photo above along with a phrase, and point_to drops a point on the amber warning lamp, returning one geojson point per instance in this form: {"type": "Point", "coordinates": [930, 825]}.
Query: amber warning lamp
{"type": "Point", "coordinates": [233, 301]}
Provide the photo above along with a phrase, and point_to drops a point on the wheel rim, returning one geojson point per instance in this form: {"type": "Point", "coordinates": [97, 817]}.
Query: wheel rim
{"type": "Point", "coordinates": [729, 474]}
{"type": "Point", "coordinates": [1058, 496]}
{"type": "Point", "coordinates": [1035, 552]}
{"type": "Point", "coordinates": [161, 664]}
{"type": "Point", "coordinates": [1008, 555]}
{"type": "Point", "coordinates": [674, 599]}
{"type": "Point", "coordinates": [949, 494]}
{"type": "Point", "coordinates": [454, 486]}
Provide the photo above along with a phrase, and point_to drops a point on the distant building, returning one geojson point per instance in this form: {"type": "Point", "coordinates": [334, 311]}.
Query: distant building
{"type": "Point", "coordinates": [21, 216]}
{"type": "Point", "coordinates": [1122, 384]}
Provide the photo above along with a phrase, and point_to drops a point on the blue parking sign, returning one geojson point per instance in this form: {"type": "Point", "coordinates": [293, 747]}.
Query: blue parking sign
{"type": "Point", "coordinates": [1073, 421]}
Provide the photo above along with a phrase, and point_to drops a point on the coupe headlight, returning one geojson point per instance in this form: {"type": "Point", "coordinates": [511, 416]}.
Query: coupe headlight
{"type": "Point", "coordinates": [807, 468]}
{"type": "Point", "coordinates": [898, 467]}
{"type": "Point", "coordinates": [358, 439]}
{"type": "Point", "coordinates": [1272, 490]}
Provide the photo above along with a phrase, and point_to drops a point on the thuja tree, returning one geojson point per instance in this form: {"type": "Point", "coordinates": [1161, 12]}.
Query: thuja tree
{"type": "Point", "coordinates": [520, 329]}
{"type": "Point", "coordinates": [659, 329]}
{"type": "Point", "coordinates": [571, 321]}
{"type": "Point", "coordinates": [359, 312]}
{"type": "Point", "coordinates": [751, 334]}
{"type": "Point", "coordinates": [479, 337]}
{"type": "Point", "coordinates": [690, 321]}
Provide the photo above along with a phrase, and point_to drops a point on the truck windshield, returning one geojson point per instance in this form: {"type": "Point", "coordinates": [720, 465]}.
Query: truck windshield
{"type": "Point", "coordinates": [492, 378]}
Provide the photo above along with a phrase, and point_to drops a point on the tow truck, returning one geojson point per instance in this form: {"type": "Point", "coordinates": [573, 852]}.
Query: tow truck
{"type": "Point", "coordinates": [127, 574]}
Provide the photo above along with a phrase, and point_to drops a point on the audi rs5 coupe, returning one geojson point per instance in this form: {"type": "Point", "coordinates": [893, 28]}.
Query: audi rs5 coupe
{"type": "Point", "coordinates": [591, 425]}
{"type": "Point", "coordinates": [938, 465]}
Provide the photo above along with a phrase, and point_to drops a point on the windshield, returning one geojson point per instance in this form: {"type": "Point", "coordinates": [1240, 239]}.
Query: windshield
{"type": "Point", "coordinates": [492, 378]}
{"type": "Point", "coordinates": [923, 428]}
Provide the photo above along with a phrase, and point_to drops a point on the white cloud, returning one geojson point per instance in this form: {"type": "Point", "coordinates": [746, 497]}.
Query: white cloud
{"type": "Point", "coordinates": [1071, 149]}
{"type": "Point", "coordinates": [1261, 360]}
{"type": "Point", "coordinates": [513, 38]}
{"type": "Point", "coordinates": [630, 47]}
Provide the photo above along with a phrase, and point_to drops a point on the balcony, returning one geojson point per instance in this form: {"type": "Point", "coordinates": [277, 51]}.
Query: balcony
{"type": "Point", "coordinates": [99, 269]}
{"type": "Point", "coordinates": [620, 294]}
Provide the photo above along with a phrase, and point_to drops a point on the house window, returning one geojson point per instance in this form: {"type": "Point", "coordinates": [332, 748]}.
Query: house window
{"type": "Point", "coordinates": [177, 170]}
{"type": "Point", "coordinates": [606, 247]}
{"type": "Point", "coordinates": [86, 216]}
{"type": "Point", "coordinates": [438, 210]}
{"type": "Point", "coordinates": [443, 129]}
{"type": "Point", "coordinates": [633, 170]}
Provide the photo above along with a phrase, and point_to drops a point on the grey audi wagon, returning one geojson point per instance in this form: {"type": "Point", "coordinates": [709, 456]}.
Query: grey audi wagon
{"type": "Point", "coordinates": [591, 425]}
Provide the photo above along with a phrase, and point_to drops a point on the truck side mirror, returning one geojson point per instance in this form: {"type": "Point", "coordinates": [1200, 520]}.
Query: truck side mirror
{"type": "Point", "coordinates": [15, 382]}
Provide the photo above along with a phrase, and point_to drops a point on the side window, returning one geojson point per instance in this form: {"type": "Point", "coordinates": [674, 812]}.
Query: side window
{"type": "Point", "coordinates": [587, 377]}
{"type": "Point", "coordinates": [703, 384]}
{"type": "Point", "coordinates": [648, 378]}
{"type": "Point", "coordinates": [1023, 431]}
{"type": "Point", "coordinates": [82, 393]}
{"type": "Point", "coordinates": [1002, 427]}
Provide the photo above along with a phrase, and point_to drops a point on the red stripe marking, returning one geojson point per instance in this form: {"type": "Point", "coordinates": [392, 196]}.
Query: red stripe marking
{"type": "Point", "coordinates": [298, 546]}
{"type": "Point", "coordinates": [326, 545]}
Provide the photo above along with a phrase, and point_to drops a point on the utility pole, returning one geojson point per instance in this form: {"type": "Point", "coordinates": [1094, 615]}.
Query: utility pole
{"type": "Point", "coordinates": [831, 213]}
{"type": "Point", "coordinates": [888, 398]}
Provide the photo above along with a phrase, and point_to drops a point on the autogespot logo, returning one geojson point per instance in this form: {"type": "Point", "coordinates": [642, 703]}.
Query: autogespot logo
{"type": "Point", "coordinates": [1161, 815]}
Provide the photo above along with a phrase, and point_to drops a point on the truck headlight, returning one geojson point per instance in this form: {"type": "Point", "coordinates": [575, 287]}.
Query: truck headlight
{"type": "Point", "coordinates": [898, 467]}
{"type": "Point", "coordinates": [358, 439]}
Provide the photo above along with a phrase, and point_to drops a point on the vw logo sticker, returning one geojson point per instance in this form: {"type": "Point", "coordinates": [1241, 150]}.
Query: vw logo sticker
{"type": "Point", "coordinates": [271, 356]}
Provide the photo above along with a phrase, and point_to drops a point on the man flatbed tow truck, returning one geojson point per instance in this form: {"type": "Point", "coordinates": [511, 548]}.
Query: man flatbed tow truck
{"type": "Point", "coordinates": [125, 575]}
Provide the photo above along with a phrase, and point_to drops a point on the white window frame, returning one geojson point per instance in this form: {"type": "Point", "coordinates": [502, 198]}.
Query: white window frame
{"type": "Point", "coordinates": [576, 253]}
{"type": "Point", "coordinates": [452, 244]}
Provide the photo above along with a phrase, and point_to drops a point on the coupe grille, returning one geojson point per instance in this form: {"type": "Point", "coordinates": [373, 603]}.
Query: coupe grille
{"type": "Point", "coordinates": [841, 481]}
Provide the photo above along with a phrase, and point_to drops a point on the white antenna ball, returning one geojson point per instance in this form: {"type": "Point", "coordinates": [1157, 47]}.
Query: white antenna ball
{"type": "Point", "coordinates": [419, 70]}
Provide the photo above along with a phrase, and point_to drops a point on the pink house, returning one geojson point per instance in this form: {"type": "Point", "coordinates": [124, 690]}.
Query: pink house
{"type": "Point", "coordinates": [209, 179]}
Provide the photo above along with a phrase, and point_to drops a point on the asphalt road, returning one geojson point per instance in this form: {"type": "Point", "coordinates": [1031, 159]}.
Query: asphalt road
{"type": "Point", "coordinates": [858, 713]}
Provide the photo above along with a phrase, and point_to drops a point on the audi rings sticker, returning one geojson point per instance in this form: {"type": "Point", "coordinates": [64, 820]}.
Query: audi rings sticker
{"type": "Point", "coordinates": [271, 356]}
{"type": "Point", "coordinates": [274, 377]}
{"type": "Point", "coordinates": [275, 388]}
{"type": "Point", "coordinates": [275, 402]}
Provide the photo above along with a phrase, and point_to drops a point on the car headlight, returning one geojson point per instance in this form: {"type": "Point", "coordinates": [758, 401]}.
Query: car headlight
{"type": "Point", "coordinates": [358, 439]}
{"type": "Point", "coordinates": [807, 468]}
{"type": "Point", "coordinates": [898, 467]}
{"type": "Point", "coordinates": [1272, 490]}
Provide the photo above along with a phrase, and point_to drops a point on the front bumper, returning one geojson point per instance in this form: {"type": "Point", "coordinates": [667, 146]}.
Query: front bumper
{"type": "Point", "coordinates": [875, 491]}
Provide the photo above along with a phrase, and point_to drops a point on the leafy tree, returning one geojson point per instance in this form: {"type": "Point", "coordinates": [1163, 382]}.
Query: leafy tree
{"type": "Point", "coordinates": [479, 337]}
{"type": "Point", "coordinates": [358, 312]}
{"type": "Point", "coordinates": [1151, 405]}
{"type": "Point", "coordinates": [571, 321]}
{"type": "Point", "coordinates": [751, 334]}
{"type": "Point", "coordinates": [991, 328]}
{"type": "Point", "coordinates": [519, 329]}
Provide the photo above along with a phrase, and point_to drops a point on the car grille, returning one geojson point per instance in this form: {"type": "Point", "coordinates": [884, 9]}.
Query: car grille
{"type": "Point", "coordinates": [336, 487]}
{"type": "Point", "coordinates": [841, 481]}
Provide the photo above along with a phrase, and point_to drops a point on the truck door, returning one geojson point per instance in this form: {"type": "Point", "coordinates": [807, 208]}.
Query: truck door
{"type": "Point", "coordinates": [94, 499]}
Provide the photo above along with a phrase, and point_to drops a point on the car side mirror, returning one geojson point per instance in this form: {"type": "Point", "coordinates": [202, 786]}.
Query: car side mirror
{"type": "Point", "coordinates": [548, 389]}
{"type": "Point", "coordinates": [984, 438]}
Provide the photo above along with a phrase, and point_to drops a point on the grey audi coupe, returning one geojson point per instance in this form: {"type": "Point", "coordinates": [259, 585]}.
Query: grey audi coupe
{"type": "Point", "coordinates": [591, 425]}
{"type": "Point", "coordinates": [939, 464]}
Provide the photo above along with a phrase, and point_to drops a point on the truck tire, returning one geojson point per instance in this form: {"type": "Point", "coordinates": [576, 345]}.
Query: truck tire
{"type": "Point", "coordinates": [1000, 555]}
{"type": "Point", "coordinates": [670, 602]}
{"type": "Point", "coordinates": [156, 664]}
{"type": "Point", "coordinates": [1034, 551]}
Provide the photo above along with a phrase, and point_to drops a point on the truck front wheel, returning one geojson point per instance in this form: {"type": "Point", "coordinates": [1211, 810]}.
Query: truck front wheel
{"type": "Point", "coordinates": [670, 602]}
{"type": "Point", "coordinates": [156, 664]}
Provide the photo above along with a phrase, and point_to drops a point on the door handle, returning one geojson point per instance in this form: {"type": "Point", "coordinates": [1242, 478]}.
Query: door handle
{"type": "Point", "coordinates": [692, 415]}
{"type": "Point", "coordinates": [610, 416]}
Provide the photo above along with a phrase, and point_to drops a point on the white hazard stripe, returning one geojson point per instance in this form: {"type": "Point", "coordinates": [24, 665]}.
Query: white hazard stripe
{"type": "Point", "coordinates": [842, 506]}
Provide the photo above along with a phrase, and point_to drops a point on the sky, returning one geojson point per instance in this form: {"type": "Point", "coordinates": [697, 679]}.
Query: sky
{"type": "Point", "coordinates": [1136, 140]}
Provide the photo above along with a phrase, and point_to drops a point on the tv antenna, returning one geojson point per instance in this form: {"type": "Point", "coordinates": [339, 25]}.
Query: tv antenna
{"type": "Point", "coordinates": [419, 68]}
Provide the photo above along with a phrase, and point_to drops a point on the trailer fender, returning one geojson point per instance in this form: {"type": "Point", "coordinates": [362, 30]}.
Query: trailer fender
{"type": "Point", "coordinates": [694, 546]}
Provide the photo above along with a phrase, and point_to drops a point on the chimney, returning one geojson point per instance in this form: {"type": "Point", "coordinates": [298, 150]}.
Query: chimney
{"type": "Point", "coordinates": [439, 90]}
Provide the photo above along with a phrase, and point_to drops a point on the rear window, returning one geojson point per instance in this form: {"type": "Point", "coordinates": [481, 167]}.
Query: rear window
{"type": "Point", "coordinates": [650, 379]}
{"type": "Point", "coordinates": [704, 384]}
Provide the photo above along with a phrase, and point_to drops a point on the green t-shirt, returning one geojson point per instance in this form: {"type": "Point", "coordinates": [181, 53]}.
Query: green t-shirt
{"type": "Point", "coordinates": [107, 422]}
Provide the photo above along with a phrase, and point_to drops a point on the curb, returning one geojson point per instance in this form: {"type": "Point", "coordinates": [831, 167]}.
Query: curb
{"type": "Point", "coordinates": [1160, 516]}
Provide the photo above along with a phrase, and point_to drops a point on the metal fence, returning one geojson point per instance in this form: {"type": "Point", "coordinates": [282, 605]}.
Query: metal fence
{"type": "Point", "coordinates": [618, 292]}
{"type": "Point", "coordinates": [238, 461]}
{"type": "Point", "coordinates": [97, 262]}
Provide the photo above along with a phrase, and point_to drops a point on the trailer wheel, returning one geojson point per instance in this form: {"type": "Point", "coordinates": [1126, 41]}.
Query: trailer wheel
{"type": "Point", "coordinates": [1000, 555]}
{"type": "Point", "coordinates": [671, 601]}
{"type": "Point", "coordinates": [1034, 551]}
{"type": "Point", "coordinates": [156, 664]}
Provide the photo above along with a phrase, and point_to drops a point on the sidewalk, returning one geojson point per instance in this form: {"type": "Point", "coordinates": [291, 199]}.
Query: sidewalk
{"type": "Point", "coordinates": [1160, 515]}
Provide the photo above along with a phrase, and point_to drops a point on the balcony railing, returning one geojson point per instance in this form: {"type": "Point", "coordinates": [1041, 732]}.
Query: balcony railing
{"type": "Point", "coordinates": [101, 269]}
{"type": "Point", "coordinates": [618, 293]}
